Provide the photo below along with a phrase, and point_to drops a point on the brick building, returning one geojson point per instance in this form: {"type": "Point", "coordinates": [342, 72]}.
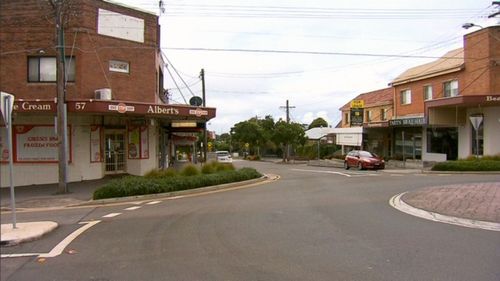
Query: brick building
{"type": "Point", "coordinates": [119, 120]}
{"type": "Point", "coordinates": [435, 103]}
{"type": "Point", "coordinates": [371, 111]}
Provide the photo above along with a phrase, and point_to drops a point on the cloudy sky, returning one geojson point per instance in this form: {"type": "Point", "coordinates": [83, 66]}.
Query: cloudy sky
{"type": "Point", "coordinates": [318, 54]}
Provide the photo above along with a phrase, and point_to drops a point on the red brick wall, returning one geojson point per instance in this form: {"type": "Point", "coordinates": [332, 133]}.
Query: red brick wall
{"type": "Point", "coordinates": [25, 28]}
{"type": "Point", "coordinates": [416, 107]}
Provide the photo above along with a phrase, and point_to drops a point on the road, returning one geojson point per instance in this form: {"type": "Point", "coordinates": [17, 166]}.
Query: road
{"type": "Point", "coordinates": [311, 224]}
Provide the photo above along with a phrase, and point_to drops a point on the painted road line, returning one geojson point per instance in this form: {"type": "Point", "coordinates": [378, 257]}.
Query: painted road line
{"type": "Point", "coordinates": [112, 215]}
{"type": "Point", "coordinates": [322, 172]}
{"type": "Point", "coordinates": [153, 203]}
{"type": "Point", "coordinates": [59, 248]}
{"type": "Point", "coordinates": [400, 205]}
{"type": "Point", "coordinates": [133, 208]}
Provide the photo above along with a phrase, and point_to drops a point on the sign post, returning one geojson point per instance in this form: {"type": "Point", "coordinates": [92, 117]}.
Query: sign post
{"type": "Point", "coordinates": [6, 104]}
{"type": "Point", "coordinates": [476, 121]}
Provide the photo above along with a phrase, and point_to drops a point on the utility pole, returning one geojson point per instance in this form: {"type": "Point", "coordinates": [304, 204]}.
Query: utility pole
{"type": "Point", "coordinates": [61, 99]}
{"type": "Point", "coordinates": [205, 141]}
{"type": "Point", "coordinates": [287, 146]}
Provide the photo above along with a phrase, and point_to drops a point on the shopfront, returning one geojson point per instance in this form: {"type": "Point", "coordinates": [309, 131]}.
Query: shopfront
{"type": "Point", "coordinates": [104, 137]}
{"type": "Point", "coordinates": [407, 137]}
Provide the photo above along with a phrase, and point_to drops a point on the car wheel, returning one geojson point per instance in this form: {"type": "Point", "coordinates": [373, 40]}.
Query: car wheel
{"type": "Point", "coordinates": [360, 166]}
{"type": "Point", "coordinates": [346, 166]}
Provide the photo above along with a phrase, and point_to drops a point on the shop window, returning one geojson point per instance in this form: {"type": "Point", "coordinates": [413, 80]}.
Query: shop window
{"type": "Point", "coordinates": [450, 88]}
{"type": "Point", "coordinates": [443, 141]}
{"type": "Point", "coordinates": [428, 92]}
{"type": "Point", "coordinates": [44, 69]}
{"type": "Point", "coordinates": [406, 96]}
{"type": "Point", "coordinates": [477, 140]}
{"type": "Point", "coordinates": [408, 143]}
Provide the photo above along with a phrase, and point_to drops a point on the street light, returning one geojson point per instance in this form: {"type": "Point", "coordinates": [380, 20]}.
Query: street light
{"type": "Point", "coordinates": [469, 25]}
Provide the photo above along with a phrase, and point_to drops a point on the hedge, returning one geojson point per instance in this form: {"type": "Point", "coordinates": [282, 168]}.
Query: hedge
{"type": "Point", "coordinates": [134, 185]}
{"type": "Point", "coordinates": [468, 165]}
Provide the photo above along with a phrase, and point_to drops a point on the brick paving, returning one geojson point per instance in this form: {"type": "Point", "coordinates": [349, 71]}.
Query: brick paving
{"type": "Point", "coordinates": [479, 201]}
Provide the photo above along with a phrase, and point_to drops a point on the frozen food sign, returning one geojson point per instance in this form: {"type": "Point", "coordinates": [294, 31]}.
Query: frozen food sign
{"type": "Point", "coordinates": [36, 144]}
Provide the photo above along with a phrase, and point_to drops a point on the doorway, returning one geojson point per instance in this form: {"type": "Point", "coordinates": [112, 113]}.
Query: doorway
{"type": "Point", "coordinates": [114, 150]}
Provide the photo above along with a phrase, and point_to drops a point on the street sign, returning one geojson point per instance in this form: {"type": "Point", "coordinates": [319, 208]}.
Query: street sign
{"type": "Point", "coordinates": [6, 105]}
{"type": "Point", "coordinates": [476, 121]}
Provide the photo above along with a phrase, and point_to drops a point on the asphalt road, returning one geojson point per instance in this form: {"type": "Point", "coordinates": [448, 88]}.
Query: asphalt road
{"type": "Point", "coordinates": [311, 224]}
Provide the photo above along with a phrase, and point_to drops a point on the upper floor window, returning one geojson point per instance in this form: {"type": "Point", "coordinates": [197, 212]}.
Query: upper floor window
{"type": "Point", "coordinates": [406, 96]}
{"type": "Point", "coordinates": [119, 66]}
{"type": "Point", "coordinates": [451, 88]}
{"type": "Point", "coordinates": [428, 92]}
{"type": "Point", "coordinates": [383, 114]}
{"type": "Point", "coordinates": [44, 69]}
{"type": "Point", "coordinates": [346, 118]}
{"type": "Point", "coordinates": [369, 116]}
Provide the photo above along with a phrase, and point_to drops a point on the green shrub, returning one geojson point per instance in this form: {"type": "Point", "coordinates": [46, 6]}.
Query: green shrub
{"type": "Point", "coordinates": [468, 165]}
{"type": "Point", "coordinates": [158, 173]}
{"type": "Point", "coordinates": [190, 170]}
{"type": "Point", "coordinates": [208, 168]}
{"type": "Point", "coordinates": [133, 185]}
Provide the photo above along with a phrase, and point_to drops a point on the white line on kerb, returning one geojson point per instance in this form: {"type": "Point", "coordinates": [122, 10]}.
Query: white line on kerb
{"type": "Point", "coordinates": [111, 215]}
{"type": "Point", "coordinates": [133, 208]}
{"type": "Point", "coordinates": [400, 205]}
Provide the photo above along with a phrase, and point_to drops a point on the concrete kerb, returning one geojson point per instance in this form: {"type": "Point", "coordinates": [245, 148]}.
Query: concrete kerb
{"type": "Point", "coordinates": [201, 190]}
{"type": "Point", "coordinates": [24, 232]}
{"type": "Point", "coordinates": [402, 206]}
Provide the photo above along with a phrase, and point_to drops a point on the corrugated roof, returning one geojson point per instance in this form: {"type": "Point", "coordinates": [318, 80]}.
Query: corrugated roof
{"type": "Point", "coordinates": [450, 62]}
{"type": "Point", "coordinates": [374, 98]}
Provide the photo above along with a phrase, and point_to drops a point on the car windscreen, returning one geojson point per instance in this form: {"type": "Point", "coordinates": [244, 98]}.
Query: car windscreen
{"type": "Point", "coordinates": [367, 154]}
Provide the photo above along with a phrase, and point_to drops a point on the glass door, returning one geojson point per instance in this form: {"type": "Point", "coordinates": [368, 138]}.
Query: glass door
{"type": "Point", "coordinates": [114, 152]}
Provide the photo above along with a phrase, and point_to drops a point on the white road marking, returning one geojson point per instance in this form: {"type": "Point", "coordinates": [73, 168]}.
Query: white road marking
{"type": "Point", "coordinates": [111, 215]}
{"type": "Point", "coordinates": [153, 202]}
{"type": "Point", "coordinates": [59, 248]}
{"type": "Point", "coordinates": [322, 172]}
{"type": "Point", "coordinates": [133, 208]}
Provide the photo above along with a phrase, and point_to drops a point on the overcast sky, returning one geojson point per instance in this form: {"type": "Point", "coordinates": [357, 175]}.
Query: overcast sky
{"type": "Point", "coordinates": [334, 50]}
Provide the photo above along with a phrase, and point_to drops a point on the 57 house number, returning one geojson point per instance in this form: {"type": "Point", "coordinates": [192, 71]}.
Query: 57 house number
{"type": "Point", "coordinates": [80, 105]}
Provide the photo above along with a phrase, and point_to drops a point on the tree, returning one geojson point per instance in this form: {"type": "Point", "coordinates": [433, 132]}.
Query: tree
{"type": "Point", "coordinates": [288, 134]}
{"type": "Point", "coordinates": [318, 122]}
{"type": "Point", "coordinates": [248, 132]}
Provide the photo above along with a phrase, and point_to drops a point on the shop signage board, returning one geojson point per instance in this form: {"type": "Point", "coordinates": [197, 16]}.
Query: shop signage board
{"type": "Point", "coordinates": [357, 116]}
{"type": "Point", "coordinates": [407, 122]}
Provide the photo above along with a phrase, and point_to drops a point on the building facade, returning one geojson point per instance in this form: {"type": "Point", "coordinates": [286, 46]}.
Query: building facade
{"type": "Point", "coordinates": [119, 120]}
{"type": "Point", "coordinates": [449, 108]}
{"type": "Point", "coordinates": [371, 111]}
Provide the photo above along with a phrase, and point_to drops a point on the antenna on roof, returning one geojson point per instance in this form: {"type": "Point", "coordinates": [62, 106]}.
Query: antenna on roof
{"type": "Point", "coordinates": [161, 5]}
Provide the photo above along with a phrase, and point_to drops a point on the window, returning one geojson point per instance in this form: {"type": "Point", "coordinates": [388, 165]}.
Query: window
{"type": "Point", "coordinates": [119, 66]}
{"type": "Point", "coordinates": [368, 116]}
{"type": "Point", "coordinates": [383, 114]}
{"type": "Point", "coordinates": [428, 92]}
{"type": "Point", "coordinates": [406, 96]}
{"type": "Point", "coordinates": [346, 118]}
{"type": "Point", "coordinates": [44, 69]}
{"type": "Point", "coordinates": [451, 88]}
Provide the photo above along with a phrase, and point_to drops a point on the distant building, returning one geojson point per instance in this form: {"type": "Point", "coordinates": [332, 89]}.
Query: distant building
{"type": "Point", "coordinates": [119, 119]}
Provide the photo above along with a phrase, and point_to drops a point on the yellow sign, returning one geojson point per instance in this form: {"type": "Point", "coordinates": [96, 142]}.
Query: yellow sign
{"type": "Point", "coordinates": [357, 104]}
{"type": "Point", "coordinates": [247, 145]}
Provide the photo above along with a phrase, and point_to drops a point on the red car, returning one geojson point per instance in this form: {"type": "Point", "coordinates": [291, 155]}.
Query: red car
{"type": "Point", "coordinates": [363, 160]}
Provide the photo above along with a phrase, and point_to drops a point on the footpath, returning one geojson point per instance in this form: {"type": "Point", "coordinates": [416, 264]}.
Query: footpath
{"type": "Point", "coordinates": [470, 205]}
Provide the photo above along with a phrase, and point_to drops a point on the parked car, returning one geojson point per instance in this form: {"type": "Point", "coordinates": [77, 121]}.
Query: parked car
{"type": "Point", "coordinates": [362, 159]}
{"type": "Point", "coordinates": [224, 157]}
